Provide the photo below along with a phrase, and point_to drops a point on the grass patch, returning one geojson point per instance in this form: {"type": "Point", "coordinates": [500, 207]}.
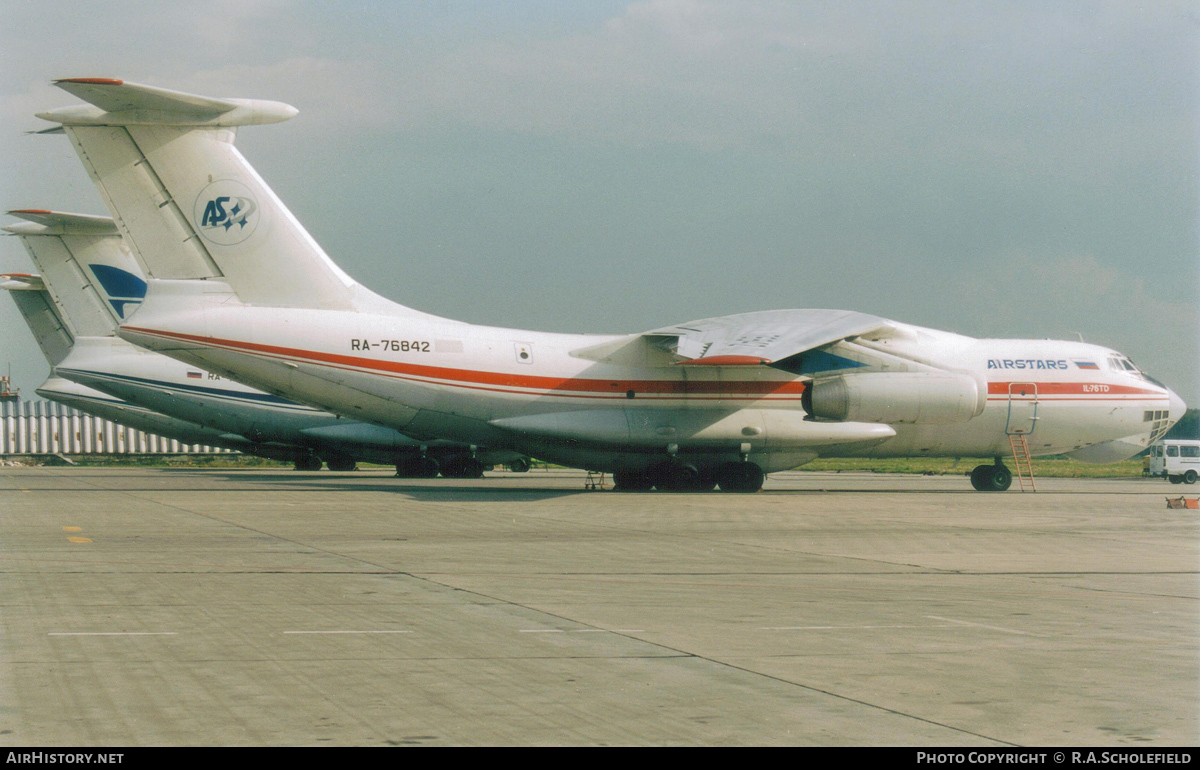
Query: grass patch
{"type": "Point", "coordinates": [1047, 467]}
{"type": "Point", "coordinates": [176, 461]}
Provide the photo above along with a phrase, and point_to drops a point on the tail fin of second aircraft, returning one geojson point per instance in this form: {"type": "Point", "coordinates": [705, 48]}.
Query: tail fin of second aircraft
{"type": "Point", "coordinates": [90, 274]}
{"type": "Point", "coordinates": [35, 305]}
{"type": "Point", "coordinates": [186, 200]}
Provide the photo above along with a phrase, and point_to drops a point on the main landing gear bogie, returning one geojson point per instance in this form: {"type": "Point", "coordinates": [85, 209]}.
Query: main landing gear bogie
{"type": "Point", "coordinates": [684, 477]}
{"type": "Point", "coordinates": [336, 463]}
{"type": "Point", "coordinates": [626, 480]}
{"type": "Point", "coordinates": [462, 467]}
{"type": "Point", "coordinates": [307, 462]}
{"type": "Point", "coordinates": [417, 468]}
{"type": "Point", "coordinates": [740, 477]}
{"type": "Point", "coordinates": [341, 463]}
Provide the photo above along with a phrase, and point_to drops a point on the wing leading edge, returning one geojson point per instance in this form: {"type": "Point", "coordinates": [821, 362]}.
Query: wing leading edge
{"type": "Point", "coordinates": [766, 338]}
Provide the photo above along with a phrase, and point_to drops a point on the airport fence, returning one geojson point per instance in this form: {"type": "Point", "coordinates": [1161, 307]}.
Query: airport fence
{"type": "Point", "coordinates": [48, 428]}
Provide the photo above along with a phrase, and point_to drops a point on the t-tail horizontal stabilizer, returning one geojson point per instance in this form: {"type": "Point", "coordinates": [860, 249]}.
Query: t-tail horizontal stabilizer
{"type": "Point", "coordinates": [117, 103]}
{"type": "Point", "coordinates": [46, 222]}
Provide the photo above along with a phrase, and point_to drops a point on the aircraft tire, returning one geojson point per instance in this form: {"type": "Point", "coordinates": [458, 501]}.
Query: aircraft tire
{"type": "Point", "coordinates": [463, 467]}
{"type": "Point", "coordinates": [740, 477]}
{"type": "Point", "coordinates": [1189, 477]}
{"type": "Point", "coordinates": [1001, 479]}
{"type": "Point", "coordinates": [307, 463]}
{"type": "Point", "coordinates": [341, 464]}
{"type": "Point", "coordinates": [625, 480]}
{"type": "Point", "coordinates": [676, 477]}
{"type": "Point", "coordinates": [416, 468]}
{"type": "Point", "coordinates": [520, 465]}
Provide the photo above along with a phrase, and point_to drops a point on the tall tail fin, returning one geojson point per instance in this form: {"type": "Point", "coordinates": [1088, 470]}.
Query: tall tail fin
{"type": "Point", "coordinates": [188, 203]}
{"type": "Point", "coordinates": [35, 305]}
{"type": "Point", "coordinates": [86, 267]}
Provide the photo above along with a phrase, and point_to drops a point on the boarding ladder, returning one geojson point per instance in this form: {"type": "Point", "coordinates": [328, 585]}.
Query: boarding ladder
{"type": "Point", "coordinates": [1021, 463]}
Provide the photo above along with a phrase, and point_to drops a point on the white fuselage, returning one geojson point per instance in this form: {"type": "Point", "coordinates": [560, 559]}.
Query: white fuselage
{"type": "Point", "coordinates": [526, 391]}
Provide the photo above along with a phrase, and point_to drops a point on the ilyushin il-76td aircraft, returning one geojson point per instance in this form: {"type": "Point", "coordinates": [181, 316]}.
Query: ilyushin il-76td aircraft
{"type": "Point", "coordinates": [238, 286]}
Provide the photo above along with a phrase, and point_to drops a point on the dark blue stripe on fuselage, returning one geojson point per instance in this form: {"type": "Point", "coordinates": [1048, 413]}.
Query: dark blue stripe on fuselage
{"type": "Point", "coordinates": [259, 398]}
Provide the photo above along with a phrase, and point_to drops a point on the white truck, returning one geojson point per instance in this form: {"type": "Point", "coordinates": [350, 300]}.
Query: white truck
{"type": "Point", "coordinates": [1177, 461]}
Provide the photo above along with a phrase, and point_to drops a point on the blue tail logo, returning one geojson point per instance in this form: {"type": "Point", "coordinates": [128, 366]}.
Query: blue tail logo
{"type": "Point", "coordinates": [120, 286]}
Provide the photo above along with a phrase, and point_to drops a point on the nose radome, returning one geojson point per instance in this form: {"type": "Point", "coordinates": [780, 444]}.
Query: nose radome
{"type": "Point", "coordinates": [1178, 408]}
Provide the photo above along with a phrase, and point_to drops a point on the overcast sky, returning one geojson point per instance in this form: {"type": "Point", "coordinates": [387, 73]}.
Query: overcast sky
{"type": "Point", "coordinates": [995, 169]}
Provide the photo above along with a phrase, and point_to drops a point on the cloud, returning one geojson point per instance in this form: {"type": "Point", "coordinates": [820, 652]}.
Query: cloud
{"type": "Point", "coordinates": [1061, 295]}
{"type": "Point", "coordinates": [663, 71]}
{"type": "Point", "coordinates": [226, 26]}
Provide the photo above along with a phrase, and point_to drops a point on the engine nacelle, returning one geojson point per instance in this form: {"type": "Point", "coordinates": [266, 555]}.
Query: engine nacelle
{"type": "Point", "coordinates": [935, 398]}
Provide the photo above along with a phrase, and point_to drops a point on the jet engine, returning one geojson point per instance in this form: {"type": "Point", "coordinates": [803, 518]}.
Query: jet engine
{"type": "Point", "coordinates": [936, 398]}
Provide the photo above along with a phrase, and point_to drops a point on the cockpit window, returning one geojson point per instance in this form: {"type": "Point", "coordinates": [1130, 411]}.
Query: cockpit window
{"type": "Point", "coordinates": [1123, 364]}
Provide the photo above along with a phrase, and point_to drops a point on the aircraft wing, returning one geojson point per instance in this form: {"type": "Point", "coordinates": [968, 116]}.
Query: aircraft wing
{"type": "Point", "coordinates": [746, 339]}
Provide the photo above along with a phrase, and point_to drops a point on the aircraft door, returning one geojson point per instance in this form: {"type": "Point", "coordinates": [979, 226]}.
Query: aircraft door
{"type": "Point", "coordinates": [1022, 408]}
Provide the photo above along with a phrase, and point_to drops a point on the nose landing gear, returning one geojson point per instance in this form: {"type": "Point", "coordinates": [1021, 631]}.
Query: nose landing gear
{"type": "Point", "coordinates": [991, 478]}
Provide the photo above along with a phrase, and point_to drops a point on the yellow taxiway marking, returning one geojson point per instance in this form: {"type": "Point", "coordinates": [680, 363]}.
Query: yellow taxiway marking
{"type": "Point", "coordinates": [581, 631]}
{"type": "Point", "coordinates": [347, 632]}
{"type": "Point", "coordinates": [80, 539]}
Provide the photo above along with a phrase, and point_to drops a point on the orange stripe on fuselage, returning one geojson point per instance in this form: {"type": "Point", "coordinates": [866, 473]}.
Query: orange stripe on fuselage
{"type": "Point", "coordinates": [478, 379]}
{"type": "Point", "coordinates": [1072, 389]}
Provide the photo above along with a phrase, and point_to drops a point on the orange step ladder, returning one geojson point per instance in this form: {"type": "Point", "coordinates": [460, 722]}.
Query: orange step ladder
{"type": "Point", "coordinates": [1023, 466]}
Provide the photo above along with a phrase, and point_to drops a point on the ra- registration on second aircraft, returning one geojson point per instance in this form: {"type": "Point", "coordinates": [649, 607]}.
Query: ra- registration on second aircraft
{"type": "Point", "coordinates": [238, 286]}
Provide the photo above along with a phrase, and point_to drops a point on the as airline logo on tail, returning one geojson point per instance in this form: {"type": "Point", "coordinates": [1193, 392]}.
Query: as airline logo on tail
{"type": "Point", "coordinates": [226, 213]}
